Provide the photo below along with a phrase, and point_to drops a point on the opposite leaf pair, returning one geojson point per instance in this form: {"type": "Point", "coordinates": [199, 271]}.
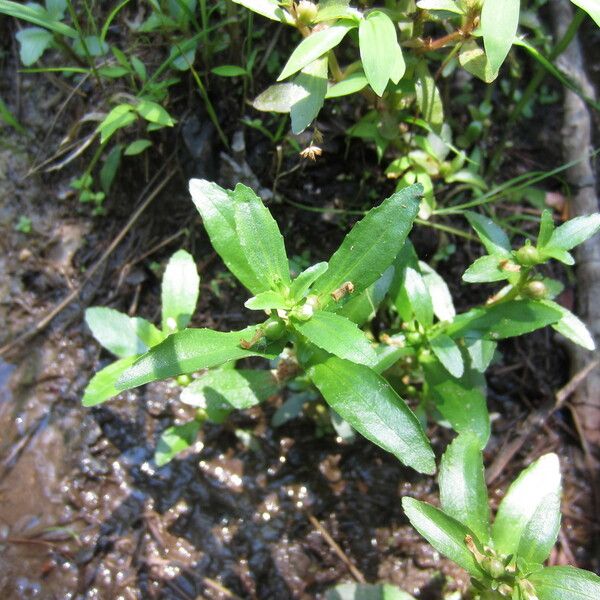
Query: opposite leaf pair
{"type": "Point", "coordinates": [130, 337]}
{"type": "Point", "coordinates": [505, 558]}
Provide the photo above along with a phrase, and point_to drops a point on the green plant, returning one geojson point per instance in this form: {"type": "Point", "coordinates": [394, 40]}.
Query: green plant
{"type": "Point", "coordinates": [312, 330]}
{"type": "Point", "coordinates": [128, 338]}
{"type": "Point", "coordinates": [394, 51]}
{"type": "Point", "coordinates": [306, 313]}
{"type": "Point", "coordinates": [440, 357]}
{"type": "Point", "coordinates": [504, 558]}
{"type": "Point", "coordinates": [134, 98]}
{"type": "Point", "coordinates": [23, 225]}
{"type": "Point", "coordinates": [396, 57]}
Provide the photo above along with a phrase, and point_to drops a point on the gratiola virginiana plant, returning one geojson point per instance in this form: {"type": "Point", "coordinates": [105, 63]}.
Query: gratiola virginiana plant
{"type": "Point", "coordinates": [312, 330]}
{"type": "Point", "coordinates": [395, 48]}
{"type": "Point", "coordinates": [305, 314]}
{"type": "Point", "coordinates": [504, 558]}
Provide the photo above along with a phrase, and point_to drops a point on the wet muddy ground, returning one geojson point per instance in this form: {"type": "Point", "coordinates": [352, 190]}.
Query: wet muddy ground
{"type": "Point", "coordinates": [84, 511]}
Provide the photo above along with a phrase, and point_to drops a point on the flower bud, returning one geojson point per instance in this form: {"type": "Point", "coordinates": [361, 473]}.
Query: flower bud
{"type": "Point", "coordinates": [535, 290]}
{"type": "Point", "coordinates": [413, 338]}
{"type": "Point", "coordinates": [493, 566]}
{"type": "Point", "coordinates": [184, 380]}
{"type": "Point", "coordinates": [306, 12]}
{"type": "Point", "coordinates": [305, 312]}
{"type": "Point", "coordinates": [274, 329]}
{"type": "Point", "coordinates": [528, 256]}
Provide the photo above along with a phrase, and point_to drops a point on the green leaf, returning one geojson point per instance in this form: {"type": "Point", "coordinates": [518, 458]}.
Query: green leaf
{"type": "Point", "coordinates": [546, 228]}
{"type": "Point", "coordinates": [499, 22]}
{"type": "Point", "coordinates": [443, 306]}
{"type": "Point", "coordinates": [351, 84]}
{"type": "Point", "coordinates": [560, 583]}
{"type": "Point", "coordinates": [574, 232]}
{"type": "Point", "coordinates": [229, 71]}
{"type": "Point", "coordinates": [102, 385]}
{"type": "Point", "coordinates": [174, 440]}
{"type": "Point", "coordinates": [481, 353]}
{"type": "Point", "coordinates": [330, 10]}
{"type": "Point", "coordinates": [114, 331]}
{"type": "Point", "coordinates": [56, 8]}
{"type": "Point", "coordinates": [362, 307]}
{"type": "Point", "coordinates": [463, 492]}
{"type": "Point", "coordinates": [279, 98]}
{"type": "Point", "coordinates": [337, 335]}
{"type": "Point", "coordinates": [269, 9]}
{"type": "Point", "coordinates": [110, 168]}
{"type": "Point", "coordinates": [139, 67]}
{"type": "Point", "coordinates": [33, 41]}
{"type": "Point", "coordinates": [460, 401]}
{"type": "Point", "coordinates": [266, 301]}
{"type": "Point", "coordinates": [494, 239]}
{"type": "Point", "coordinates": [407, 257]}
{"type": "Point", "coordinates": [485, 270]}
{"type": "Point", "coordinates": [35, 14]}
{"type": "Point", "coordinates": [378, 48]}
{"type": "Point", "coordinates": [372, 407]}
{"type": "Point", "coordinates": [503, 320]}
{"type": "Point", "coordinates": [443, 532]}
{"type": "Point", "coordinates": [291, 409]}
{"type": "Point", "coordinates": [371, 246]}
{"type": "Point", "coordinates": [572, 327]}
{"type": "Point", "coordinates": [388, 356]}
{"type": "Point", "coordinates": [216, 207]}
{"type": "Point", "coordinates": [448, 353]}
{"type": "Point", "coordinates": [528, 517]}
{"type": "Point", "coordinates": [120, 116]}
{"type": "Point", "coordinates": [315, 46]}
{"type": "Point", "coordinates": [9, 118]}
{"type": "Point", "coordinates": [591, 7]}
{"type": "Point", "coordinates": [137, 147]}
{"type": "Point", "coordinates": [154, 113]}
{"type": "Point", "coordinates": [366, 591]}
{"type": "Point", "coordinates": [191, 350]}
{"type": "Point", "coordinates": [302, 283]}
{"type": "Point", "coordinates": [220, 391]}
{"type": "Point", "coordinates": [312, 80]}
{"type": "Point", "coordinates": [260, 238]}
{"type": "Point", "coordinates": [182, 57]}
{"type": "Point", "coordinates": [179, 291]}
{"type": "Point", "coordinates": [559, 254]}
{"type": "Point", "coordinates": [445, 5]}
{"type": "Point", "coordinates": [428, 97]}
{"type": "Point", "coordinates": [418, 296]}
{"type": "Point", "coordinates": [90, 45]}
{"type": "Point", "coordinates": [113, 72]}
{"type": "Point", "coordinates": [474, 60]}
{"type": "Point", "coordinates": [147, 332]}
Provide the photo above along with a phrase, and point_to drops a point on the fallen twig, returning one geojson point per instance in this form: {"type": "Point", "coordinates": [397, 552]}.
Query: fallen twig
{"type": "Point", "coordinates": [536, 420]}
{"type": "Point", "coordinates": [338, 551]}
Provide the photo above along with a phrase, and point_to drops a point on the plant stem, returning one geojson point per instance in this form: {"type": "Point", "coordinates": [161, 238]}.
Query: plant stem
{"type": "Point", "coordinates": [84, 45]}
{"type": "Point", "coordinates": [538, 76]}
